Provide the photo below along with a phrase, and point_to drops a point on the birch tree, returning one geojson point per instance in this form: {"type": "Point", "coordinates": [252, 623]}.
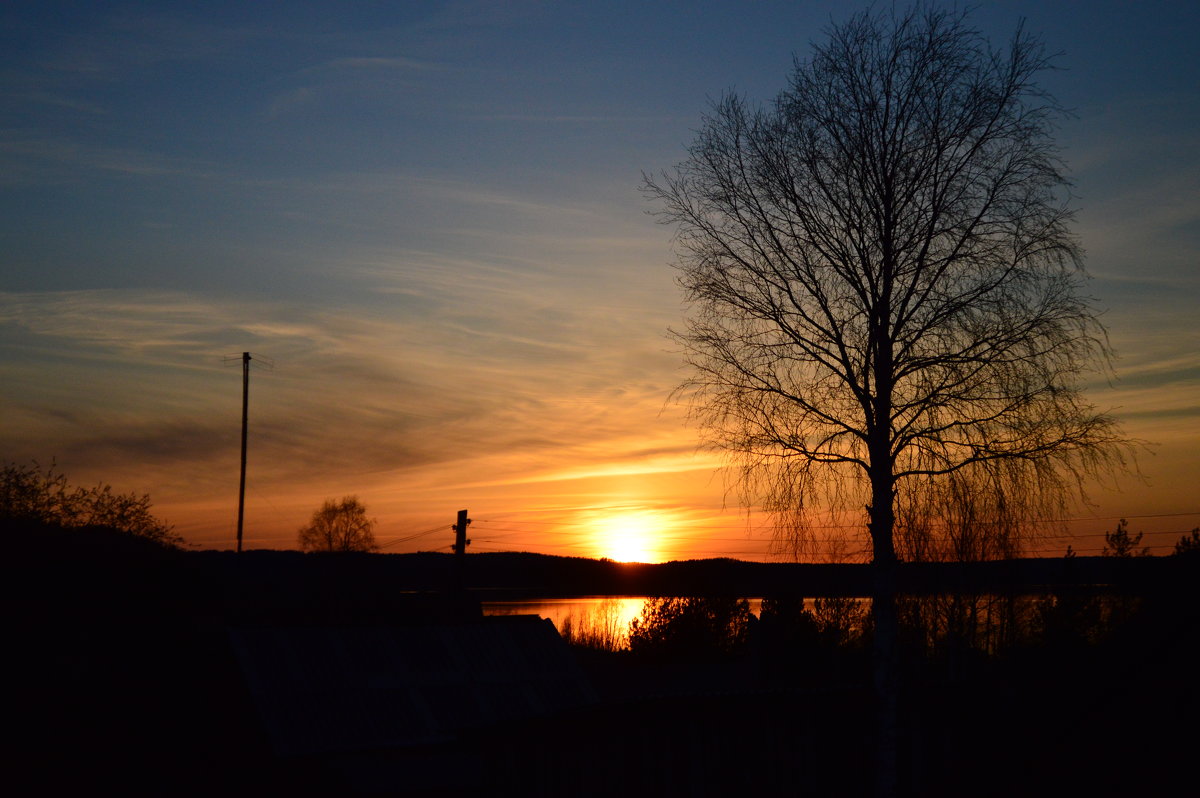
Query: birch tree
{"type": "Point", "coordinates": [887, 304]}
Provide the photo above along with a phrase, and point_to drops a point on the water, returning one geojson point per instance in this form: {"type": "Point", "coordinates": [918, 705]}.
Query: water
{"type": "Point", "coordinates": [606, 616]}
{"type": "Point", "coordinates": [623, 609]}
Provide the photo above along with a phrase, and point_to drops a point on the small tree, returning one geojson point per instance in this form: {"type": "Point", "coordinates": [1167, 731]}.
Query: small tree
{"type": "Point", "coordinates": [339, 526]}
{"type": "Point", "coordinates": [1189, 544]}
{"type": "Point", "coordinates": [1119, 543]}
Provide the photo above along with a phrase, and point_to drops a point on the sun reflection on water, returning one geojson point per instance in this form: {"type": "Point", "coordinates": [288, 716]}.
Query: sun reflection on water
{"type": "Point", "coordinates": [597, 621]}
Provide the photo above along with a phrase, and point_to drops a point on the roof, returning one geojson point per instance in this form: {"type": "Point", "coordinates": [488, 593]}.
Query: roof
{"type": "Point", "coordinates": [327, 689]}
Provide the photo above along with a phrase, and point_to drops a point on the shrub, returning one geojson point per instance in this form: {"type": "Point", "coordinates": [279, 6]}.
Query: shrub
{"type": "Point", "coordinates": [30, 494]}
{"type": "Point", "coordinates": [690, 627]}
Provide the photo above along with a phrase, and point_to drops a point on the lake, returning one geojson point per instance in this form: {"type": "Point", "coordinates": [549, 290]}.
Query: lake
{"type": "Point", "coordinates": [608, 616]}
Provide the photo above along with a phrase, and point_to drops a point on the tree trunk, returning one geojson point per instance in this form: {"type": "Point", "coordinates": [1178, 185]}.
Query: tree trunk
{"type": "Point", "coordinates": [883, 611]}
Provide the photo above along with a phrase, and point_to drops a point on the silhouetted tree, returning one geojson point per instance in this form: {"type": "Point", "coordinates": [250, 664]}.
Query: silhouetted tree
{"type": "Point", "coordinates": [1189, 544]}
{"type": "Point", "coordinates": [690, 627]}
{"type": "Point", "coordinates": [339, 526]}
{"type": "Point", "coordinates": [886, 295]}
{"type": "Point", "coordinates": [887, 304]}
{"type": "Point", "coordinates": [1119, 543]}
{"type": "Point", "coordinates": [29, 493]}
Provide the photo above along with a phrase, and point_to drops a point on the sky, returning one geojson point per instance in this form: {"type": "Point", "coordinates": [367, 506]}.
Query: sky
{"type": "Point", "coordinates": [424, 221]}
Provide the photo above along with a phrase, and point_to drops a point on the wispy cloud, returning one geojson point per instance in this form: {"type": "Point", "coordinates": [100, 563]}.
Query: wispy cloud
{"type": "Point", "coordinates": [57, 100]}
{"type": "Point", "coordinates": [375, 62]}
{"type": "Point", "coordinates": [336, 78]}
{"type": "Point", "coordinates": [119, 43]}
{"type": "Point", "coordinates": [354, 395]}
{"type": "Point", "coordinates": [584, 119]}
{"type": "Point", "coordinates": [292, 100]}
{"type": "Point", "coordinates": [61, 158]}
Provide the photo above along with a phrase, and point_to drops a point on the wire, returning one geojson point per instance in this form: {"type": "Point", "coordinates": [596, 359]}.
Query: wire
{"type": "Point", "coordinates": [567, 536]}
{"type": "Point", "coordinates": [396, 541]}
{"type": "Point", "coordinates": [842, 526]}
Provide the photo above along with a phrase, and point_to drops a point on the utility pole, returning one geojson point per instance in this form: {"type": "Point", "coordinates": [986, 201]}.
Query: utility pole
{"type": "Point", "coordinates": [245, 359]}
{"type": "Point", "coordinates": [460, 534]}
{"type": "Point", "coordinates": [460, 555]}
{"type": "Point", "coordinates": [245, 419]}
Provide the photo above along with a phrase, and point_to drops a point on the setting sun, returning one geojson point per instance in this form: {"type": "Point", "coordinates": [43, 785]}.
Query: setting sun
{"type": "Point", "coordinates": [628, 536]}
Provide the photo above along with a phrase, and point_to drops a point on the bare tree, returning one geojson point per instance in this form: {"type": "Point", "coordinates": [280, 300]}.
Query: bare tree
{"type": "Point", "coordinates": [339, 526]}
{"type": "Point", "coordinates": [887, 300]}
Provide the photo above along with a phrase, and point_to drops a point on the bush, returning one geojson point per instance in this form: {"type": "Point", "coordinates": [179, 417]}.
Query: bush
{"type": "Point", "coordinates": [31, 495]}
{"type": "Point", "coordinates": [690, 627]}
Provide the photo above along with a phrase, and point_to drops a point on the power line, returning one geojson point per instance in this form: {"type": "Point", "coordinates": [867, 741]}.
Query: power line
{"type": "Point", "coordinates": [570, 536]}
{"type": "Point", "coordinates": [863, 526]}
{"type": "Point", "coordinates": [397, 541]}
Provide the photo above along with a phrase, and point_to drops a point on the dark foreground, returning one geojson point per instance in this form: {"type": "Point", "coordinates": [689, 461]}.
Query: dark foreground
{"type": "Point", "coordinates": [142, 670]}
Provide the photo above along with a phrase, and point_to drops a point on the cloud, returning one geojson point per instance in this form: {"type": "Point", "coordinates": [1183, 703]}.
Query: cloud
{"type": "Point", "coordinates": [290, 101]}
{"type": "Point", "coordinates": [123, 42]}
{"type": "Point", "coordinates": [1140, 212]}
{"type": "Point", "coordinates": [1178, 370]}
{"type": "Point", "coordinates": [376, 62]}
{"type": "Point", "coordinates": [60, 101]}
{"type": "Point", "coordinates": [356, 397]}
{"type": "Point", "coordinates": [58, 159]}
{"type": "Point", "coordinates": [332, 80]}
{"type": "Point", "coordinates": [582, 119]}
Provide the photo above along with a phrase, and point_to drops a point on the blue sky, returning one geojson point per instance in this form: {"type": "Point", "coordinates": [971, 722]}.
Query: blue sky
{"type": "Point", "coordinates": [428, 216]}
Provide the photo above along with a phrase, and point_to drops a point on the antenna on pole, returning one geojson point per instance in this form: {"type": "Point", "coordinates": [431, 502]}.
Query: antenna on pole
{"type": "Point", "coordinates": [245, 360]}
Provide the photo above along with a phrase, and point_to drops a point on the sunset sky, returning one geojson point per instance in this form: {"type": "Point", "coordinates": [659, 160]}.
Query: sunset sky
{"type": "Point", "coordinates": [427, 216]}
